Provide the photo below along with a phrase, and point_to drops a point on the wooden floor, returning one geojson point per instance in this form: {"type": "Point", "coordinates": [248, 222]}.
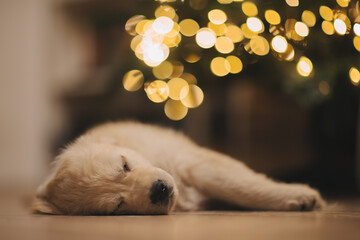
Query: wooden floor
{"type": "Point", "coordinates": [17, 223]}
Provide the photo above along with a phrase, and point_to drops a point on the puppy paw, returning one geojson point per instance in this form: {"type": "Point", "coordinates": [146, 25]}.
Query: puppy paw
{"type": "Point", "coordinates": [302, 198]}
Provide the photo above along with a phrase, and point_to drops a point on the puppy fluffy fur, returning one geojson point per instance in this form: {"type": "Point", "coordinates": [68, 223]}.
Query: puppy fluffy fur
{"type": "Point", "coordinates": [134, 168]}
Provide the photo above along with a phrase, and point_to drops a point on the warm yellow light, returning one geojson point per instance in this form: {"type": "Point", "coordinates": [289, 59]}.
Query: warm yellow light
{"type": "Point", "coordinates": [174, 31]}
{"type": "Point", "coordinates": [356, 43]}
{"type": "Point", "coordinates": [304, 67]}
{"type": "Point", "coordinates": [328, 27]}
{"type": "Point", "coordinates": [140, 26]}
{"type": "Point", "coordinates": [162, 25]}
{"type": "Point", "coordinates": [354, 75]}
{"type": "Point", "coordinates": [357, 29]}
{"type": "Point", "coordinates": [235, 64]}
{"type": "Point", "coordinates": [205, 38]}
{"type": "Point", "coordinates": [192, 96]}
{"type": "Point", "coordinates": [340, 26]}
{"type": "Point", "coordinates": [225, 1]}
{"type": "Point", "coordinates": [249, 9]}
{"type": "Point", "coordinates": [219, 29]}
{"type": "Point", "coordinates": [130, 25]}
{"type": "Point", "coordinates": [247, 32]}
{"type": "Point", "coordinates": [255, 24]}
{"type": "Point", "coordinates": [175, 86]}
{"type": "Point", "coordinates": [197, 4]}
{"type": "Point", "coordinates": [178, 69]}
{"type": "Point", "coordinates": [165, 11]}
{"type": "Point", "coordinates": [234, 33]}
{"type": "Point", "coordinates": [343, 3]}
{"type": "Point", "coordinates": [164, 70]}
{"type": "Point", "coordinates": [157, 91]}
{"type": "Point", "coordinates": [224, 45]}
{"type": "Point", "coordinates": [326, 13]}
{"type": "Point", "coordinates": [279, 44]}
{"type": "Point", "coordinates": [133, 80]}
{"type": "Point", "coordinates": [154, 54]}
{"type": "Point", "coordinates": [188, 27]}
{"type": "Point", "coordinates": [272, 17]}
{"type": "Point", "coordinates": [135, 42]}
{"type": "Point", "coordinates": [259, 45]}
{"type": "Point", "coordinates": [220, 66]}
{"type": "Point", "coordinates": [175, 110]}
{"type": "Point", "coordinates": [301, 29]}
{"type": "Point", "coordinates": [217, 16]}
{"type": "Point", "coordinates": [172, 41]}
{"type": "Point", "coordinates": [292, 3]}
{"type": "Point", "coordinates": [308, 18]}
{"type": "Point", "coordinates": [191, 79]}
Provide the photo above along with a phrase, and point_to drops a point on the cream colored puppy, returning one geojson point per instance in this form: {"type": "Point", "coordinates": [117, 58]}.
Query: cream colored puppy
{"type": "Point", "coordinates": [134, 168]}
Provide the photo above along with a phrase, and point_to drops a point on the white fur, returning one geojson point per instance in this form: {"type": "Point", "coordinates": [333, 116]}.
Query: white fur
{"type": "Point", "coordinates": [198, 174]}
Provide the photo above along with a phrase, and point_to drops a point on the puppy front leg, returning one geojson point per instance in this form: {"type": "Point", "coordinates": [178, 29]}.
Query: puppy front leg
{"type": "Point", "coordinates": [223, 178]}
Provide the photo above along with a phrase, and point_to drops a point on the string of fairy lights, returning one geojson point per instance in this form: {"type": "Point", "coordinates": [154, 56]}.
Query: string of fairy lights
{"type": "Point", "coordinates": [263, 32]}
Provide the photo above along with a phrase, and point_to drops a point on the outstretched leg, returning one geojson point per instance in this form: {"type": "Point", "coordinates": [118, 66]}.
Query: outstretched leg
{"type": "Point", "coordinates": [223, 178]}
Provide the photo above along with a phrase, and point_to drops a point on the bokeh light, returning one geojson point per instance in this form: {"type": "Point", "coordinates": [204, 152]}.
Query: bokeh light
{"type": "Point", "coordinates": [217, 16]}
{"type": "Point", "coordinates": [340, 26]}
{"type": "Point", "coordinates": [328, 27]}
{"type": "Point", "coordinates": [162, 25]}
{"type": "Point", "coordinates": [219, 66]}
{"type": "Point", "coordinates": [292, 3]}
{"type": "Point", "coordinates": [356, 29]}
{"type": "Point", "coordinates": [234, 33]}
{"type": "Point", "coordinates": [164, 70]}
{"type": "Point", "coordinates": [255, 24]}
{"type": "Point", "coordinates": [343, 3]}
{"type": "Point", "coordinates": [272, 17]}
{"type": "Point", "coordinates": [191, 53]}
{"type": "Point", "coordinates": [130, 25]}
{"type": "Point", "coordinates": [191, 79]}
{"type": "Point", "coordinates": [354, 75]}
{"type": "Point", "coordinates": [326, 13]}
{"type": "Point", "coordinates": [301, 29]}
{"type": "Point", "coordinates": [175, 86]}
{"type": "Point", "coordinates": [188, 27]}
{"type": "Point", "coordinates": [165, 11]}
{"type": "Point", "coordinates": [224, 45]}
{"type": "Point", "coordinates": [279, 44]}
{"type": "Point", "coordinates": [308, 18]}
{"type": "Point", "coordinates": [133, 80]}
{"type": "Point", "coordinates": [324, 88]}
{"type": "Point", "coordinates": [259, 45]}
{"type": "Point", "coordinates": [356, 42]}
{"type": "Point", "coordinates": [249, 9]}
{"type": "Point", "coordinates": [157, 91]}
{"type": "Point", "coordinates": [205, 38]}
{"type": "Point", "coordinates": [175, 110]}
{"type": "Point", "coordinates": [192, 96]}
{"type": "Point", "coordinates": [304, 67]}
{"type": "Point", "coordinates": [235, 64]}
{"type": "Point", "coordinates": [219, 29]}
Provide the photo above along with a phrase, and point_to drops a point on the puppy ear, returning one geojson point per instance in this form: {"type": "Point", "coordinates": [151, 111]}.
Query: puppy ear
{"type": "Point", "coordinates": [41, 205]}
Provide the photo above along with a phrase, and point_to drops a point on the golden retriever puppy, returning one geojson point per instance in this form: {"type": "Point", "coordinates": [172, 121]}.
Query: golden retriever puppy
{"type": "Point", "coordinates": [134, 168]}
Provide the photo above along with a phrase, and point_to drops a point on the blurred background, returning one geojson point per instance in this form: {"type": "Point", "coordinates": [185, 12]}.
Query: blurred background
{"type": "Point", "coordinates": [64, 67]}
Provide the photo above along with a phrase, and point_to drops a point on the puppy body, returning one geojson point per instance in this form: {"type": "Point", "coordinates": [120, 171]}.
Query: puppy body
{"type": "Point", "coordinates": [129, 167]}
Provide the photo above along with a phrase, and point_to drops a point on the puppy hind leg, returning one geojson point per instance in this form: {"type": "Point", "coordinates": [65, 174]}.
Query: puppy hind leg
{"type": "Point", "coordinates": [226, 179]}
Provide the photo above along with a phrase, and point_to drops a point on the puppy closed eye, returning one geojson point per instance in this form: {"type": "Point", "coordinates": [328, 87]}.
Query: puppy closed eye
{"type": "Point", "coordinates": [126, 167]}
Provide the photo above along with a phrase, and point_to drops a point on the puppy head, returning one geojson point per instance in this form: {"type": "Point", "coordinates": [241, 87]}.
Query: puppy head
{"type": "Point", "coordinates": [105, 179]}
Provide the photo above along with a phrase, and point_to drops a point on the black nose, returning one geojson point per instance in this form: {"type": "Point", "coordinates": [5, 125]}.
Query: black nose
{"type": "Point", "coordinates": [160, 192]}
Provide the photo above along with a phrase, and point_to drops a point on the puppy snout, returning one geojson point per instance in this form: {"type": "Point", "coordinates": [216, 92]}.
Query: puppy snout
{"type": "Point", "coordinates": [160, 192]}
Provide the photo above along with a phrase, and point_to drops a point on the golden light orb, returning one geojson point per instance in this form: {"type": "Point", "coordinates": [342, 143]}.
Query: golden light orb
{"type": "Point", "coordinates": [175, 110]}
{"type": "Point", "coordinates": [272, 17]}
{"type": "Point", "coordinates": [293, 3]}
{"type": "Point", "coordinates": [225, 1]}
{"type": "Point", "coordinates": [356, 43]}
{"type": "Point", "coordinates": [192, 96]}
{"type": "Point", "coordinates": [309, 18]}
{"type": "Point", "coordinates": [155, 54]}
{"type": "Point", "coordinates": [191, 79]}
{"type": "Point", "coordinates": [188, 27]}
{"type": "Point", "coordinates": [301, 29]}
{"type": "Point", "coordinates": [356, 29]}
{"type": "Point", "coordinates": [328, 27]}
{"type": "Point", "coordinates": [130, 25]}
{"type": "Point", "coordinates": [279, 44]}
{"type": "Point", "coordinates": [191, 53]}
{"type": "Point", "coordinates": [178, 69]}
{"type": "Point", "coordinates": [165, 11]}
{"type": "Point", "coordinates": [219, 29]}
{"type": "Point", "coordinates": [249, 9]}
{"type": "Point", "coordinates": [235, 64]}
{"type": "Point", "coordinates": [140, 26]}
{"type": "Point", "coordinates": [133, 80]}
{"type": "Point", "coordinates": [343, 3]}
{"type": "Point", "coordinates": [324, 88]}
{"type": "Point", "coordinates": [259, 45]}
{"type": "Point", "coordinates": [247, 32]}
{"type": "Point", "coordinates": [164, 70]}
{"type": "Point", "coordinates": [219, 66]}
{"type": "Point", "coordinates": [326, 13]}
{"type": "Point", "coordinates": [224, 45]}
{"type": "Point", "coordinates": [255, 24]}
{"type": "Point", "coordinates": [217, 16]}
{"type": "Point", "coordinates": [340, 26]}
{"type": "Point", "coordinates": [304, 67]}
{"type": "Point", "coordinates": [175, 86]}
{"type": "Point", "coordinates": [205, 38]}
{"type": "Point", "coordinates": [234, 33]}
{"type": "Point", "coordinates": [157, 91]}
{"type": "Point", "coordinates": [354, 75]}
{"type": "Point", "coordinates": [163, 25]}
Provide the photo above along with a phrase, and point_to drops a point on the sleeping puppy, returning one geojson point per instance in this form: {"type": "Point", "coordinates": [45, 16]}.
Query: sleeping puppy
{"type": "Point", "coordinates": [134, 168]}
